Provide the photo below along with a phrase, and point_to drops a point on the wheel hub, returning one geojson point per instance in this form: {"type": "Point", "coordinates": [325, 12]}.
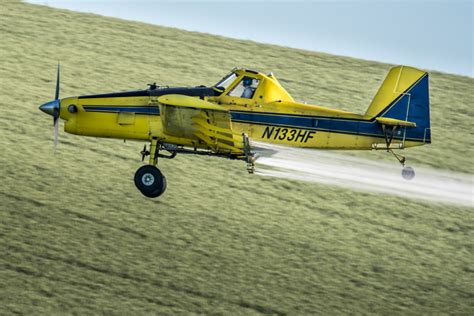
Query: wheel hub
{"type": "Point", "coordinates": [148, 179]}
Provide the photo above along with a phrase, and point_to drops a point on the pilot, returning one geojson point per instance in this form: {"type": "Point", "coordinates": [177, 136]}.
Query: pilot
{"type": "Point", "coordinates": [248, 89]}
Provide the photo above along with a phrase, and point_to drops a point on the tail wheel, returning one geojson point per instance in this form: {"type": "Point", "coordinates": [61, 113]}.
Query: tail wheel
{"type": "Point", "coordinates": [150, 181]}
{"type": "Point", "coordinates": [408, 173]}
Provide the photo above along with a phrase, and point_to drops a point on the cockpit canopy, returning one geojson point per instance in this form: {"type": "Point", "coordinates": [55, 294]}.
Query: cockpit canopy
{"type": "Point", "coordinates": [249, 84]}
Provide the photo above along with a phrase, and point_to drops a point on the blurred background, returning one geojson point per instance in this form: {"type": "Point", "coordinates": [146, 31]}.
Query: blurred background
{"type": "Point", "coordinates": [434, 35]}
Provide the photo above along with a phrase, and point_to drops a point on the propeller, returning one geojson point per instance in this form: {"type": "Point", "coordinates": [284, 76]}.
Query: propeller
{"type": "Point", "coordinates": [144, 152]}
{"type": "Point", "coordinates": [52, 108]}
{"type": "Point", "coordinates": [56, 112]}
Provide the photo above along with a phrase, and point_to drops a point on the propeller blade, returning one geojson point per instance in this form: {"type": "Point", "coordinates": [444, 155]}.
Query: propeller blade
{"type": "Point", "coordinates": [143, 152]}
{"type": "Point", "coordinates": [56, 132]}
{"type": "Point", "coordinates": [56, 95]}
{"type": "Point", "coordinates": [56, 114]}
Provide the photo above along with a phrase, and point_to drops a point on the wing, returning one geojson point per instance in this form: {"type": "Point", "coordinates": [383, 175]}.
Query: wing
{"type": "Point", "coordinates": [200, 121]}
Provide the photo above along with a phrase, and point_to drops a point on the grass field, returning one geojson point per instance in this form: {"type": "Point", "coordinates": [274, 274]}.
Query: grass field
{"type": "Point", "coordinates": [77, 237]}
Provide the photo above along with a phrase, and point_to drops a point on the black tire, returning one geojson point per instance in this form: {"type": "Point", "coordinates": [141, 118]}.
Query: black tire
{"type": "Point", "coordinates": [408, 173]}
{"type": "Point", "coordinates": [158, 191]}
{"type": "Point", "coordinates": [150, 181]}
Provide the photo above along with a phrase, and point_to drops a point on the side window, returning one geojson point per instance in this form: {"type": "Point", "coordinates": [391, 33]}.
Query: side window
{"type": "Point", "coordinates": [245, 89]}
{"type": "Point", "coordinates": [226, 81]}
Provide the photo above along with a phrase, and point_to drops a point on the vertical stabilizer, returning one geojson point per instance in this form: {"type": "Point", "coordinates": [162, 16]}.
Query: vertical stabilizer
{"type": "Point", "coordinates": [404, 95]}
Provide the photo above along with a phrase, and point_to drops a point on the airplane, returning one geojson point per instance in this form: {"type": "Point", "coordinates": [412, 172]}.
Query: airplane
{"type": "Point", "coordinates": [245, 106]}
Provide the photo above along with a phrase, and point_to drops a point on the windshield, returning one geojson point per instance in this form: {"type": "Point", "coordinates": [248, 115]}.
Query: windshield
{"type": "Point", "coordinates": [226, 81]}
{"type": "Point", "coordinates": [245, 89]}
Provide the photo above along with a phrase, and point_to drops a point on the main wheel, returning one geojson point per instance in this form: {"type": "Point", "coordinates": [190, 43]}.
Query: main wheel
{"type": "Point", "coordinates": [150, 181]}
{"type": "Point", "coordinates": [408, 173]}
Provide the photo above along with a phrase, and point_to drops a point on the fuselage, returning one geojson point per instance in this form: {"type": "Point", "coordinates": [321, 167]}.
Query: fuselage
{"type": "Point", "coordinates": [270, 115]}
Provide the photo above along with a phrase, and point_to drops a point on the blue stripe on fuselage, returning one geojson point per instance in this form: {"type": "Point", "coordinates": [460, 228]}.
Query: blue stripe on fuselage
{"type": "Point", "coordinates": [149, 110]}
{"type": "Point", "coordinates": [335, 125]}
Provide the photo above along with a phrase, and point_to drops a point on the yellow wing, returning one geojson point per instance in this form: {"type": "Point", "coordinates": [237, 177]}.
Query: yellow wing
{"type": "Point", "coordinates": [202, 121]}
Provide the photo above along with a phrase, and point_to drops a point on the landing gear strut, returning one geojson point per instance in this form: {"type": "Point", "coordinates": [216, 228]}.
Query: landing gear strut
{"type": "Point", "coordinates": [408, 173]}
{"type": "Point", "coordinates": [149, 179]}
{"type": "Point", "coordinates": [248, 155]}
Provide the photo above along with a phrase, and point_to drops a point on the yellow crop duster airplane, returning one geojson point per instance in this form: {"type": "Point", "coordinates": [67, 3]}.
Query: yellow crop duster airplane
{"type": "Point", "coordinates": [221, 119]}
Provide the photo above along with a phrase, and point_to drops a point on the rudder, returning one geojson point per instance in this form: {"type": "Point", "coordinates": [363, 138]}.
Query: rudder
{"type": "Point", "coordinates": [404, 95]}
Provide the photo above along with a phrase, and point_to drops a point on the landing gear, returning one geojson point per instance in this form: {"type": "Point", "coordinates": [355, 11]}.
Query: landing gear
{"type": "Point", "coordinates": [152, 183]}
{"type": "Point", "coordinates": [149, 179]}
{"type": "Point", "coordinates": [408, 173]}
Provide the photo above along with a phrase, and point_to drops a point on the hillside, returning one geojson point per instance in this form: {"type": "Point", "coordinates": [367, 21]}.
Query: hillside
{"type": "Point", "coordinates": [77, 236]}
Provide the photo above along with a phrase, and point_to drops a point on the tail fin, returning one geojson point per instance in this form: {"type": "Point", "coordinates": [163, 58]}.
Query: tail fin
{"type": "Point", "coordinates": [404, 95]}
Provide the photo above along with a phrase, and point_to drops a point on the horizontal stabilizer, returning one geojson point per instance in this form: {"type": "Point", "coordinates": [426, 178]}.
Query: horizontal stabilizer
{"type": "Point", "coordinates": [394, 122]}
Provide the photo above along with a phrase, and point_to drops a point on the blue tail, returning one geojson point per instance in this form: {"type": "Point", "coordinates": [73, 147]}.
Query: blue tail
{"type": "Point", "coordinates": [404, 95]}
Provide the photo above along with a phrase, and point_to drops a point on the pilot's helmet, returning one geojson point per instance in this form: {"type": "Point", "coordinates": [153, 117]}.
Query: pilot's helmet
{"type": "Point", "coordinates": [248, 82]}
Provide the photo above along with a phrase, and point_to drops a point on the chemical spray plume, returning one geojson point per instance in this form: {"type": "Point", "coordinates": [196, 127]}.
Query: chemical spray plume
{"type": "Point", "coordinates": [329, 167]}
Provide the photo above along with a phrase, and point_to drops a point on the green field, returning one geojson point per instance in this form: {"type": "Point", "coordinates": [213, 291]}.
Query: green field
{"type": "Point", "coordinates": [77, 237]}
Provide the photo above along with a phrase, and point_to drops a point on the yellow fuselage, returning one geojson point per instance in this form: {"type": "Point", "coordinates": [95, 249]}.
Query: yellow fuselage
{"type": "Point", "coordinates": [139, 126]}
{"type": "Point", "coordinates": [271, 115]}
